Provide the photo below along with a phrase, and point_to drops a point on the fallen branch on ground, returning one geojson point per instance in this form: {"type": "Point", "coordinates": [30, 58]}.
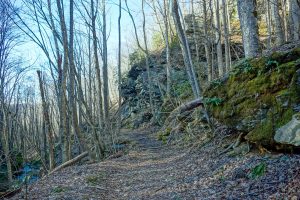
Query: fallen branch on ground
{"type": "Point", "coordinates": [70, 162]}
{"type": "Point", "coordinates": [183, 108]}
{"type": "Point", "coordinates": [190, 105]}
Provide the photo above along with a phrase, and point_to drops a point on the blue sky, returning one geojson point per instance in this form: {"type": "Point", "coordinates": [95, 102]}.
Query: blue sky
{"type": "Point", "coordinates": [34, 56]}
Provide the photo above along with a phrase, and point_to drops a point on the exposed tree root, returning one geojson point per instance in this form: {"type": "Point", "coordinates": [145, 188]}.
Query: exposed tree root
{"type": "Point", "coordinates": [234, 144]}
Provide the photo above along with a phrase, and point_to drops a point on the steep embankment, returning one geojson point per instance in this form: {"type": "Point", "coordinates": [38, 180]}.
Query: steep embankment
{"type": "Point", "coordinates": [153, 171]}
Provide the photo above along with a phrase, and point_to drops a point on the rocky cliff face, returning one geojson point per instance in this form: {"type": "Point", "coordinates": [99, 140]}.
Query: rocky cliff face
{"type": "Point", "coordinates": [135, 92]}
{"type": "Point", "coordinates": [136, 109]}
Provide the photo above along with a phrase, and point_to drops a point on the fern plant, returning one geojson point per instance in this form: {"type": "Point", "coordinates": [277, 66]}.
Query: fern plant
{"type": "Point", "coordinates": [215, 101]}
{"type": "Point", "coordinates": [258, 171]}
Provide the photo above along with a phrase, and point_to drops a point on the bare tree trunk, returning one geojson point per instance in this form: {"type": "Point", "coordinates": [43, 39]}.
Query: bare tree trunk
{"type": "Point", "coordinates": [185, 50]}
{"type": "Point", "coordinates": [60, 98]}
{"type": "Point", "coordinates": [90, 79]}
{"type": "Point", "coordinates": [104, 58]}
{"type": "Point", "coordinates": [150, 85]}
{"type": "Point", "coordinates": [194, 32]}
{"type": "Point", "coordinates": [73, 98]}
{"type": "Point", "coordinates": [269, 25]}
{"type": "Point", "coordinates": [279, 33]}
{"type": "Point", "coordinates": [226, 36]}
{"type": "Point", "coordinates": [119, 65]}
{"type": "Point", "coordinates": [164, 10]}
{"type": "Point", "coordinates": [63, 99]}
{"type": "Point", "coordinates": [285, 20]}
{"type": "Point", "coordinates": [248, 20]}
{"type": "Point", "coordinates": [97, 65]}
{"type": "Point", "coordinates": [290, 20]}
{"type": "Point", "coordinates": [169, 80]}
{"type": "Point", "coordinates": [47, 123]}
{"type": "Point", "coordinates": [207, 44]}
{"type": "Point", "coordinates": [89, 119]}
{"type": "Point", "coordinates": [70, 162]}
{"type": "Point", "coordinates": [218, 38]}
{"type": "Point", "coordinates": [5, 144]}
{"type": "Point", "coordinates": [187, 58]}
{"type": "Point", "coordinates": [295, 19]}
{"type": "Point", "coordinates": [157, 19]}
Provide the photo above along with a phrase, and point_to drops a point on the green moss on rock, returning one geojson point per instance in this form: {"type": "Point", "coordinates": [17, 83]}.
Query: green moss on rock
{"type": "Point", "coordinates": [261, 98]}
{"type": "Point", "coordinates": [265, 131]}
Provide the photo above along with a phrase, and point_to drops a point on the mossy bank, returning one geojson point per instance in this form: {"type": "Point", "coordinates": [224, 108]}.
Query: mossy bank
{"type": "Point", "coordinates": [259, 96]}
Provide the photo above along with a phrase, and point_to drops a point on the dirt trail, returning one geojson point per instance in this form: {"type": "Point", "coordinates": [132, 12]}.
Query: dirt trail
{"type": "Point", "coordinates": [155, 171]}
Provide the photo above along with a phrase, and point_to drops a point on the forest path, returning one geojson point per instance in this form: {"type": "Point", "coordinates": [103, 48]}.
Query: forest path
{"type": "Point", "coordinates": [151, 170]}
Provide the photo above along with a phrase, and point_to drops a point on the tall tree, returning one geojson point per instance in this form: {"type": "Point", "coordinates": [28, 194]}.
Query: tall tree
{"type": "Point", "coordinates": [195, 37]}
{"type": "Point", "coordinates": [279, 31]}
{"type": "Point", "coordinates": [47, 122]}
{"type": "Point", "coordinates": [226, 35]}
{"type": "Point", "coordinates": [72, 72]}
{"type": "Point", "coordinates": [104, 59]}
{"type": "Point", "coordinates": [185, 50]}
{"type": "Point", "coordinates": [207, 43]}
{"type": "Point", "coordinates": [187, 57]}
{"type": "Point", "coordinates": [269, 24]}
{"type": "Point", "coordinates": [285, 19]}
{"type": "Point", "coordinates": [93, 15]}
{"type": "Point", "coordinates": [119, 63]}
{"type": "Point", "coordinates": [218, 38]}
{"type": "Point", "coordinates": [168, 54]}
{"type": "Point", "coordinates": [165, 13]}
{"type": "Point", "coordinates": [294, 13]}
{"type": "Point", "coordinates": [63, 90]}
{"type": "Point", "coordinates": [249, 26]}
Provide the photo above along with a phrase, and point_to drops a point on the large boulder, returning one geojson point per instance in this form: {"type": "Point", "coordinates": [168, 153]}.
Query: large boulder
{"type": "Point", "coordinates": [289, 133]}
{"type": "Point", "coordinates": [260, 96]}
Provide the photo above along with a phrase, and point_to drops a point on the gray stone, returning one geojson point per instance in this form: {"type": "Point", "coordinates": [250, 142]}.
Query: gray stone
{"type": "Point", "coordinates": [283, 100]}
{"type": "Point", "coordinates": [249, 123]}
{"type": "Point", "coordinates": [296, 108]}
{"type": "Point", "coordinates": [298, 76]}
{"type": "Point", "coordinates": [240, 150]}
{"type": "Point", "coordinates": [289, 133]}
